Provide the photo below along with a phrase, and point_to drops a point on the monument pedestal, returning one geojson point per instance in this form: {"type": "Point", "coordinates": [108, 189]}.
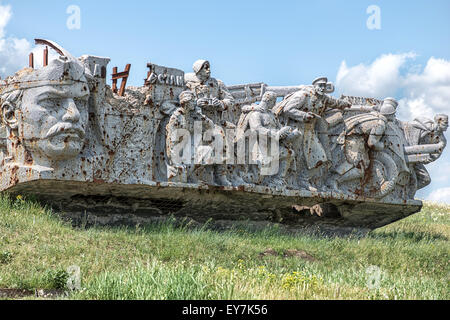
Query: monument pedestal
{"type": "Point", "coordinates": [256, 206]}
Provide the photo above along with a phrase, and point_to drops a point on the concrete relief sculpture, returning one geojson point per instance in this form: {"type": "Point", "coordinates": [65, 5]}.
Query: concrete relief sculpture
{"type": "Point", "coordinates": [45, 114]}
{"type": "Point", "coordinates": [426, 142]}
{"type": "Point", "coordinates": [214, 99]}
{"type": "Point", "coordinates": [187, 144]}
{"type": "Point", "coordinates": [305, 109]}
{"type": "Point", "coordinates": [269, 142]}
{"type": "Point", "coordinates": [183, 147]}
{"type": "Point", "coordinates": [212, 95]}
{"type": "Point", "coordinates": [370, 143]}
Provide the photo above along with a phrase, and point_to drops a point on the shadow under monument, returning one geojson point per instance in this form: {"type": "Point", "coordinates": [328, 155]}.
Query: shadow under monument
{"type": "Point", "coordinates": [160, 214]}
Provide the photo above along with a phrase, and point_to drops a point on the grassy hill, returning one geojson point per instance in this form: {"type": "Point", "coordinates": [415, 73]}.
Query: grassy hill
{"type": "Point", "coordinates": [405, 260]}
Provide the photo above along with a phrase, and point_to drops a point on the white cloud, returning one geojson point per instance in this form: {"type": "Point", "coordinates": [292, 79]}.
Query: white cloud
{"type": "Point", "coordinates": [424, 92]}
{"type": "Point", "coordinates": [440, 195]}
{"type": "Point", "coordinates": [13, 51]}
{"type": "Point", "coordinates": [427, 92]}
{"type": "Point", "coordinates": [379, 79]}
{"type": "Point", "coordinates": [5, 15]}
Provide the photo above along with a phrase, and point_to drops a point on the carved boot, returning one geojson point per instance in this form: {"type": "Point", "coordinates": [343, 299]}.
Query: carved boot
{"type": "Point", "coordinates": [306, 185]}
{"type": "Point", "coordinates": [332, 183]}
{"type": "Point", "coordinates": [277, 182]}
{"type": "Point", "coordinates": [238, 181]}
{"type": "Point", "coordinates": [223, 181]}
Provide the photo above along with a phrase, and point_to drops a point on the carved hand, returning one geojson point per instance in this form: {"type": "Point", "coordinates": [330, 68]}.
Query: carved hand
{"type": "Point", "coordinates": [293, 135]}
{"type": "Point", "coordinates": [432, 157]}
{"type": "Point", "coordinates": [284, 132]}
{"type": "Point", "coordinates": [227, 124]}
{"type": "Point", "coordinates": [217, 103]}
{"type": "Point", "coordinates": [309, 116]}
{"type": "Point", "coordinates": [202, 102]}
{"type": "Point", "coordinates": [346, 105]}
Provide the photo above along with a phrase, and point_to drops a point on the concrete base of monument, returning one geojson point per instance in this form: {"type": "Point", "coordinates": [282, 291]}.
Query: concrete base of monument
{"type": "Point", "coordinates": [103, 203]}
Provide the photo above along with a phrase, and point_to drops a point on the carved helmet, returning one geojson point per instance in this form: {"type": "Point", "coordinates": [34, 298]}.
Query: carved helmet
{"type": "Point", "coordinates": [320, 80]}
{"type": "Point", "coordinates": [199, 64]}
{"type": "Point", "coordinates": [269, 97]}
{"type": "Point", "coordinates": [441, 118]}
{"type": "Point", "coordinates": [328, 86]}
{"type": "Point", "coordinates": [442, 121]}
{"type": "Point", "coordinates": [389, 107]}
{"type": "Point", "coordinates": [186, 96]}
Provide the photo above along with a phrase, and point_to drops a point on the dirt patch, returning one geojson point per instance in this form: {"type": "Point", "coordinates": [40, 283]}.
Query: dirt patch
{"type": "Point", "coordinates": [289, 253]}
{"type": "Point", "coordinates": [300, 254]}
{"type": "Point", "coordinates": [22, 293]}
{"type": "Point", "coordinates": [15, 293]}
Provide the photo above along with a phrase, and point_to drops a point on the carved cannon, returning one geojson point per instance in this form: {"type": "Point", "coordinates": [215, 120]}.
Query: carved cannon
{"type": "Point", "coordinates": [421, 153]}
{"type": "Point", "coordinates": [253, 92]}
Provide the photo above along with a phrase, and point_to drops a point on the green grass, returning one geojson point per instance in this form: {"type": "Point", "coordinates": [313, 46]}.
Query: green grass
{"type": "Point", "coordinates": [162, 261]}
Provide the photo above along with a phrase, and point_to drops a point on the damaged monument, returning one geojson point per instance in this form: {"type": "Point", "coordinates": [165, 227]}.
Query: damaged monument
{"type": "Point", "coordinates": [188, 145]}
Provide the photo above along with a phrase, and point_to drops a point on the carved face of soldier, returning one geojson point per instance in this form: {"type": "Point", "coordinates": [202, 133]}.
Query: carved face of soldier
{"type": "Point", "coordinates": [52, 119]}
{"type": "Point", "coordinates": [442, 122]}
{"type": "Point", "coordinates": [187, 100]}
{"type": "Point", "coordinates": [268, 100]}
{"type": "Point", "coordinates": [320, 87]}
{"type": "Point", "coordinates": [389, 108]}
{"type": "Point", "coordinates": [205, 72]}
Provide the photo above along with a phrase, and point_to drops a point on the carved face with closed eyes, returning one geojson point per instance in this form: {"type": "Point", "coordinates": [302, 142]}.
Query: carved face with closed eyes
{"type": "Point", "coordinates": [52, 119]}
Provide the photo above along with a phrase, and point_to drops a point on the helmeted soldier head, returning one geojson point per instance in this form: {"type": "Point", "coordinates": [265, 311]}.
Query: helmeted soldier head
{"type": "Point", "coordinates": [269, 99]}
{"type": "Point", "coordinates": [441, 121]}
{"type": "Point", "coordinates": [202, 69]}
{"type": "Point", "coordinates": [45, 110]}
{"type": "Point", "coordinates": [187, 100]}
{"type": "Point", "coordinates": [389, 108]}
{"type": "Point", "coordinates": [322, 85]}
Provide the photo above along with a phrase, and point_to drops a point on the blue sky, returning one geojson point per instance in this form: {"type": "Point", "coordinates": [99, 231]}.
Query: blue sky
{"type": "Point", "coordinates": [284, 42]}
{"type": "Point", "coordinates": [276, 42]}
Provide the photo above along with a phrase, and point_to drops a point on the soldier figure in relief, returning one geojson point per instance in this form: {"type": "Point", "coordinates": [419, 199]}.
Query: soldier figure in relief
{"type": "Point", "coordinates": [213, 98]}
{"type": "Point", "coordinates": [180, 146]}
{"type": "Point", "coordinates": [423, 131]}
{"type": "Point", "coordinates": [361, 130]}
{"type": "Point", "coordinates": [379, 132]}
{"type": "Point", "coordinates": [304, 109]}
{"type": "Point", "coordinates": [262, 122]}
{"type": "Point", "coordinates": [211, 94]}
